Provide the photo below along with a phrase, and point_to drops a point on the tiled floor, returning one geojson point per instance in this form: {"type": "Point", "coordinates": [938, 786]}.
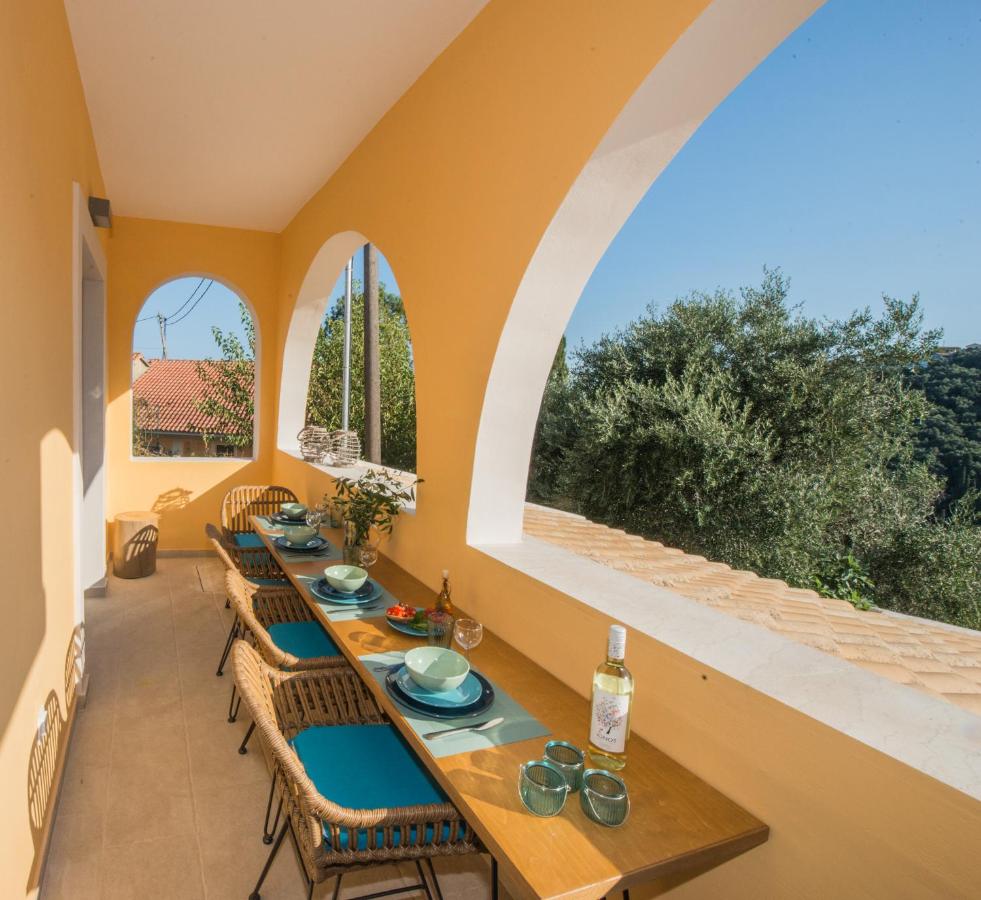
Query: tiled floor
{"type": "Point", "coordinates": [156, 801]}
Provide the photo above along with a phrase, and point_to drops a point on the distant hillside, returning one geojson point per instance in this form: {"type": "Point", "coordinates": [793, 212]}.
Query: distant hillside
{"type": "Point", "coordinates": [951, 435]}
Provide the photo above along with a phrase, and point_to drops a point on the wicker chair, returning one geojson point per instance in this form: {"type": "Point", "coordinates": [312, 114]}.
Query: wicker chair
{"type": "Point", "coordinates": [251, 500]}
{"type": "Point", "coordinates": [308, 721]}
{"type": "Point", "coordinates": [243, 560]}
{"type": "Point", "coordinates": [279, 623]}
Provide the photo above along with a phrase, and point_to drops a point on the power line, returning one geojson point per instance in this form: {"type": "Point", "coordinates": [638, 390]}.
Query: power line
{"type": "Point", "coordinates": [196, 302]}
{"type": "Point", "coordinates": [197, 287]}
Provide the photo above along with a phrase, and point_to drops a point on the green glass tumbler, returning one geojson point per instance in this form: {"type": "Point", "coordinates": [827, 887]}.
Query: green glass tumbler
{"type": "Point", "coordinates": [542, 788]}
{"type": "Point", "coordinates": [569, 760]}
{"type": "Point", "coordinates": [604, 797]}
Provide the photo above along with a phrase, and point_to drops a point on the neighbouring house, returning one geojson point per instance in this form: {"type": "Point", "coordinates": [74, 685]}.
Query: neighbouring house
{"type": "Point", "coordinates": [167, 416]}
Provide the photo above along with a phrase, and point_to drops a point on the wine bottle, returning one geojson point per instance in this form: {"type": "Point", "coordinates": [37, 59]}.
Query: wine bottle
{"type": "Point", "coordinates": [443, 602]}
{"type": "Point", "coordinates": [613, 692]}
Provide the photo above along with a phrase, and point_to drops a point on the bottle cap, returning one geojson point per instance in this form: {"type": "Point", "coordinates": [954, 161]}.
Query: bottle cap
{"type": "Point", "coordinates": [617, 644]}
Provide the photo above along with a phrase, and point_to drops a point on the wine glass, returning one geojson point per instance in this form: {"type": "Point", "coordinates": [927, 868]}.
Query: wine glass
{"type": "Point", "coordinates": [314, 517]}
{"type": "Point", "coordinates": [467, 633]}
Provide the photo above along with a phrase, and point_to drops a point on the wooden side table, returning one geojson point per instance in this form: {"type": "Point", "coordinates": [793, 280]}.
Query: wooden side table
{"type": "Point", "coordinates": [134, 544]}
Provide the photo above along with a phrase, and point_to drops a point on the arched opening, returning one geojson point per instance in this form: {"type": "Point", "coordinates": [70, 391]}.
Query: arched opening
{"type": "Point", "coordinates": [656, 122]}
{"type": "Point", "coordinates": [370, 320]}
{"type": "Point", "coordinates": [194, 372]}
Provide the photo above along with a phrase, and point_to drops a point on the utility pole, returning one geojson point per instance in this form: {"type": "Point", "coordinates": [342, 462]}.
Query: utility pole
{"type": "Point", "coordinates": [372, 368]}
{"type": "Point", "coordinates": [162, 322]}
{"type": "Point", "coordinates": [346, 381]}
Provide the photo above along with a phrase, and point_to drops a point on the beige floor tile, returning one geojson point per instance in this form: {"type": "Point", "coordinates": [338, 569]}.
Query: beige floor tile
{"type": "Point", "coordinates": [149, 800]}
{"type": "Point", "coordinates": [84, 787]}
{"type": "Point", "coordinates": [213, 750]}
{"type": "Point", "coordinates": [92, 734]}
{"type": "Point", "coordinates": [166, 868]}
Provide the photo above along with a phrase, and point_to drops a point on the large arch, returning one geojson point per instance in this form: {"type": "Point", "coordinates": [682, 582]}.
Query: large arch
{"type": "Point", "coordinates": [308, 312]}
{"type": "Point", "coordinates": [711, 58]}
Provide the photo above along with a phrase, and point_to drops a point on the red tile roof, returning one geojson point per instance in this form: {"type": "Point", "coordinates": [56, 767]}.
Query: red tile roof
{"type": "Point", "coordinates": [931, 657]}
{"type": "Point", "coordinates": [172, 390]}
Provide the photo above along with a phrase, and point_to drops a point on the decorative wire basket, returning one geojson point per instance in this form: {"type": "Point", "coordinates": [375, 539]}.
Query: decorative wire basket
{"type": "Point", "coordinates": [345, 448]}
{"type": "Point", "coordinates": [315, 443]}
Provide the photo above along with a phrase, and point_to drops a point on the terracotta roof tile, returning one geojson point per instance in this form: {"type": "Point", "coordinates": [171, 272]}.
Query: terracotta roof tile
{"type": "Point", "coordinates": [172, 390]}
{"type": "Point", "coordinates": [933, 658]}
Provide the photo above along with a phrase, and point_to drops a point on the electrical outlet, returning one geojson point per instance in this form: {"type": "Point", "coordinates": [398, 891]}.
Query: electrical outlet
{"type": "Point", "coordinates": [42, 723]}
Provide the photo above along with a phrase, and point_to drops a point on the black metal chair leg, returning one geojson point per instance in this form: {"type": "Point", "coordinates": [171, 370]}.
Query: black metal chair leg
{"type": "Point", "coordinates": [245, 741]}
{"type": "Point", "coordinates": [432, 871]}
{"type": "Point", "coordinates": [267, 832]}
{"type": "Point", "coordinates": [255, 895]}
{"type": "Point", "coordinates": [232, 634]}
{"type": "Point", "coordinates": [493, 879]}
{"type": "Point", "coordinates": [337, 886]}
{"type": "Point", "coordinates": [233, 707]}
{"type": "Point", "coordinates": [423, 881]}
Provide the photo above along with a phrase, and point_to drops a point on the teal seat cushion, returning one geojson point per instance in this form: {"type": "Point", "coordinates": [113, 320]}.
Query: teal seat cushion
{"type": "Point", "coordinates": [367, 767]}
{"type": "Point", "coordinates": [303, 639]}
{"type": "Point", "coordinates": [248, 539]}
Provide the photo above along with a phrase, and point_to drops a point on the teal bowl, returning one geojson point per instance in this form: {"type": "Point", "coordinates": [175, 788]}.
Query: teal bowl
{"type": "Point", "coordinates": [346, 579]}
{"type": "Point", "coordinates": [436, 668]}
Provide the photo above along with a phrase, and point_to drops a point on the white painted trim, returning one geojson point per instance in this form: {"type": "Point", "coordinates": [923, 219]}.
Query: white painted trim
{"type": "Point", "coordinates": [928, 734]}
{"type": "Point", "coordinates": [674, 99]}
{"type": "Point", "coordinates": [301, 338]}
{"type": "Point", "coordinates": [85, 240]}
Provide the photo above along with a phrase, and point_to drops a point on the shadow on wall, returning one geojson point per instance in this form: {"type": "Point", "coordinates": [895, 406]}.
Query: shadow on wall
{"type": "Point", "coordinates": [48, 753]}
{"type": "Point", "coordinates": [168, 501]}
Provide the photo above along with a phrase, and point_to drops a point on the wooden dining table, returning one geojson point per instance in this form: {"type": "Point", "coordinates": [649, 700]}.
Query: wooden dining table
{"type": "Point", "coordinates": [678, 825]}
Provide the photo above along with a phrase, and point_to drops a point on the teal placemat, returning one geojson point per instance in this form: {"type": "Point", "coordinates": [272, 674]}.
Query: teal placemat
{"type": "Point", "coordinates": [329, 554]}
{"type": "Point", "coordinates": [337, 613]}
{"type": "Point", "coordinates": [518, 724]}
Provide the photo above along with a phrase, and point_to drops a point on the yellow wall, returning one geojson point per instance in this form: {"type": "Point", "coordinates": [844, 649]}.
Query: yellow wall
{"type": "Point", "coordinates": [456, 185]}
{"type": "Point", "coordinates": [45, 144]}
{"type": "Point", "coordinates": [143, 254]}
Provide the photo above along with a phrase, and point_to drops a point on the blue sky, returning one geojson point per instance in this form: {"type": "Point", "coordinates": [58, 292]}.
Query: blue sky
{"type": "Point", "coordinates": [191, 337]}
{"type": "Point", "coordinates": [850, 158]}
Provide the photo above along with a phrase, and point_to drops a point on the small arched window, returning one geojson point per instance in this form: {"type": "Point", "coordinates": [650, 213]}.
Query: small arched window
{"type": "Point", "coordinates": [193, 372]}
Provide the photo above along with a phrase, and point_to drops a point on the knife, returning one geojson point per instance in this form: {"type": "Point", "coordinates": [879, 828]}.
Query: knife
{"type": "Point", "coordinates": [446, 732]}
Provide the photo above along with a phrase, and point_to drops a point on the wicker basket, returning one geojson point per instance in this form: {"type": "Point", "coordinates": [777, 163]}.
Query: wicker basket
{"type": "Point", "coordinates": [315, 443]}
{"type": "Point", "coordinates": [345, 448]}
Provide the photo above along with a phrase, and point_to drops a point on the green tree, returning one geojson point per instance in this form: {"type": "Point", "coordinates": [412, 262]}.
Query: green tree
{"type": "Point", "coordinates": [950, 437]}
{"type": "Point", "coordinates": [229, 384]}
{"type": "Point", "coordinates": [398, 395]}
{"type": "Point", "coordinates": [736, 428]}
{"type": "Point", "coordinates": [553, 434]}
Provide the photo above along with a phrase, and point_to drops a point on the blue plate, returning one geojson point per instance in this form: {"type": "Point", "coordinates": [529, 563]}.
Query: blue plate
{"type": "Point", "coordinates": [280, 519]}
{"type": "Point", "coordinates": [315, 544]}
{"type": "Point", "coordinates": [368, 592]}
{"type": "Point", "coordinates": [468, 692]}
{"type": "Point", "coordinates": [426, 708]}
{"type": "Point", "coordinates": [405, 628]}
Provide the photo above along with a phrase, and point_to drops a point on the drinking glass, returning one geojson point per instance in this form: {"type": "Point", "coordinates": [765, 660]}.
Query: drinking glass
{"type": "Point", "coordinates": [336, 514]}
{"type": "Point", "coordinates": [313, 517]}
{"type": "Point", "coordinates": [604, 797]}
{"type": "Point", "coordinates": [569, 760]}
{"type": "Point", "coordinates": [542, 788]}
{"type": "Point", "coordinates": [368, 554]}
{"type": "Point", "coordinates": [468, 633]}
{"type": "Point", "coordinates": [439, 629]}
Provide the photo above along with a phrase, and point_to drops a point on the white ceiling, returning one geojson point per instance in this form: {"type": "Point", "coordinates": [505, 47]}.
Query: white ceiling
{"type": "Point", "coordinates": [234, 112]}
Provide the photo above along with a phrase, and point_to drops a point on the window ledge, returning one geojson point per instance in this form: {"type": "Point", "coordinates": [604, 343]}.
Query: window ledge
{"type": "Point", "coordinates": [934, 737]}
{"type": "Point", "coordinates": [355, 471]}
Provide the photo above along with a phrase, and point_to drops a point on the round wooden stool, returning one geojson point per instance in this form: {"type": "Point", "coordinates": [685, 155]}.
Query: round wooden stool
{"type": "Point", "coordinates": [134, 544]}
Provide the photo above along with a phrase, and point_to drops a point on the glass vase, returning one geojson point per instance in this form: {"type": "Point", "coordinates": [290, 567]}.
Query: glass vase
{"type": "Point", "coordinates": [352, 544]}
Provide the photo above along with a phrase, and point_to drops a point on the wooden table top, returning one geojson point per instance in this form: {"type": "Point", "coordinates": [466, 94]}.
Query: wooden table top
{"type": "Point", "coordinates": [677, 822]}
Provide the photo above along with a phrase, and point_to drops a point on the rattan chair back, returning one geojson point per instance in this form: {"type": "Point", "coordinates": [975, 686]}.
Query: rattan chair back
{"type": "Point", "coordinates": [252, 500]}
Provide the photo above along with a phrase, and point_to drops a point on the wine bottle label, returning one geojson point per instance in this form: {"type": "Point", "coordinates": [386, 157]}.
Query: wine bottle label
{"type": "Point", "coordinates": [608, 726]}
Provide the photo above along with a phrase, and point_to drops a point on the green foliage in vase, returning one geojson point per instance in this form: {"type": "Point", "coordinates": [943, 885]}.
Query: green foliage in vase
{"type": "Point", "coordinates": [398, 391]}
{"type": "Point", "coordinates": [229, 382]}
{"type": "Point", "coordinates": [372, 501]}
{"type": "Point", "coordinates": [734, 427]}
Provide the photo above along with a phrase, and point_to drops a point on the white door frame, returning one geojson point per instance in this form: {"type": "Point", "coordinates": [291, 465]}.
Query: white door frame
{"type": "Point", "coordinates": [89, 403]}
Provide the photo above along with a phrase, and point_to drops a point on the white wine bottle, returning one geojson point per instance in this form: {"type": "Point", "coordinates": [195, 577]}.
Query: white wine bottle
{"type": "Point", "coordinates": [613, 692]}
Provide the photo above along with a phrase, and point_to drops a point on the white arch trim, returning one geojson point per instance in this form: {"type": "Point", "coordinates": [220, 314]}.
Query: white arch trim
{"type": "Point", "coordinates": [707, 62]}
{"type": "Point", "coordinates": [308, 313]}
